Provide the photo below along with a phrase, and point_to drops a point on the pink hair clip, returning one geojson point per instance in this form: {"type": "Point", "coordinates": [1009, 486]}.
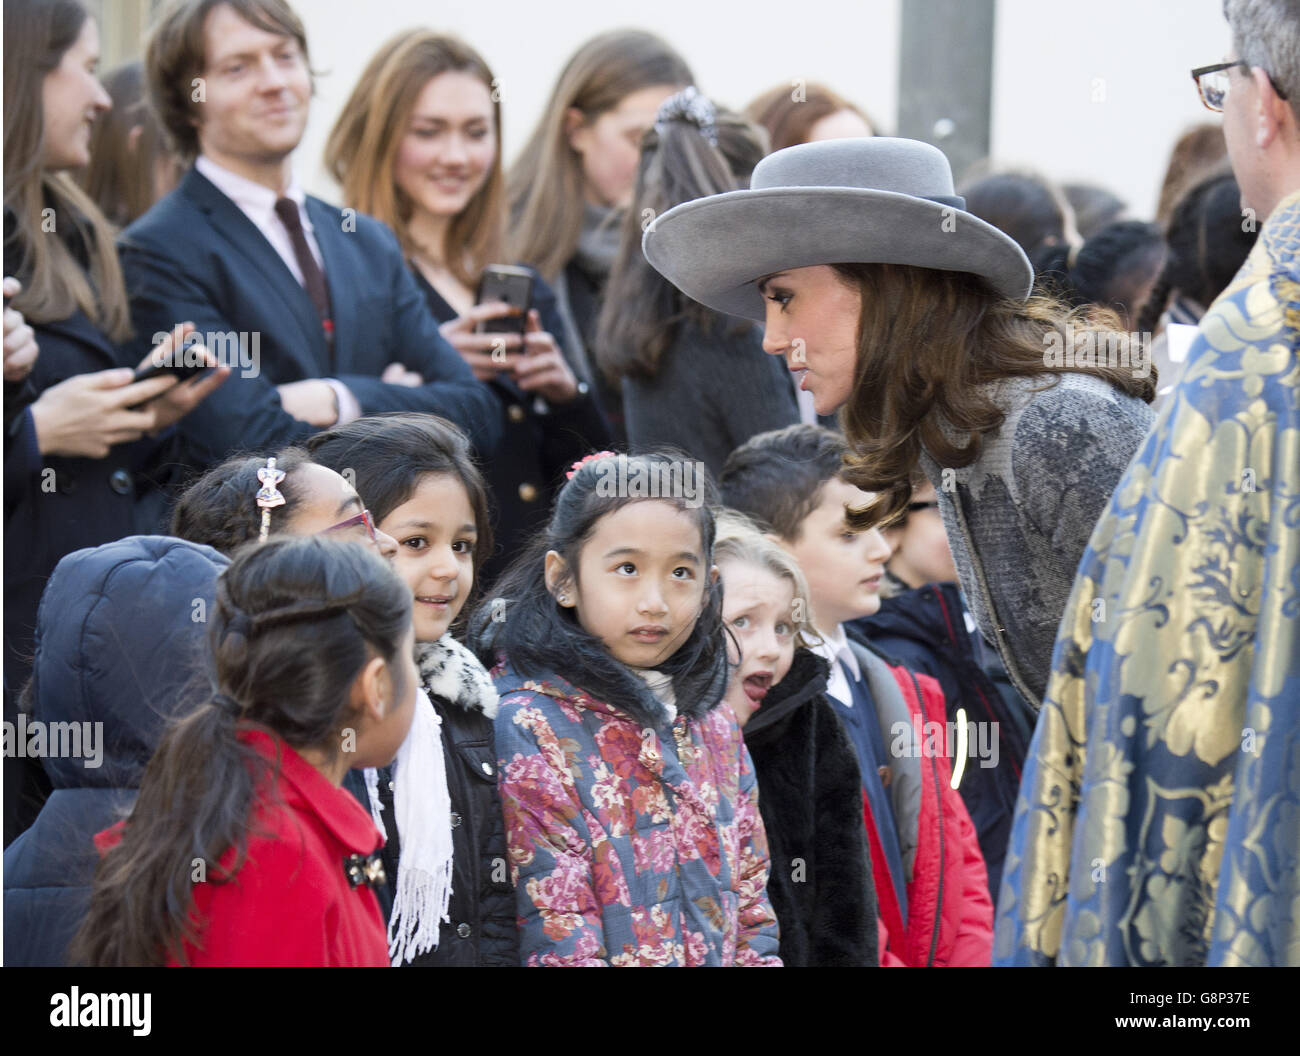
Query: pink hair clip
{"type": "Point", "coordinates": [590, 458]}
{"type": "Point", "coordinates": [268, 495]}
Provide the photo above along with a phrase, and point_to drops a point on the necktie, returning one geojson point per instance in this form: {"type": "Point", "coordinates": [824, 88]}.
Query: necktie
{"type": "Point", "coordinates": [312, 277]}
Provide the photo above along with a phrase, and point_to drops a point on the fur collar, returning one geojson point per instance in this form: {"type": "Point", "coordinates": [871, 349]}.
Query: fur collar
{"type": "Point", "coordinates": [807, 678]}
{"type": "Point", "coordinates": [450, 671]}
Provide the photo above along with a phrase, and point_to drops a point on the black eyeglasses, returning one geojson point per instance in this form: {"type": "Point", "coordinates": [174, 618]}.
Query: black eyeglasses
{"type": "Point", "coordinates": [1212, 83]}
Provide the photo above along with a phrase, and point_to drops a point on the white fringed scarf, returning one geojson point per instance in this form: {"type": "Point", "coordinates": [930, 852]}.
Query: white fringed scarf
{"type": "Point", "coordinates": [421, 799]}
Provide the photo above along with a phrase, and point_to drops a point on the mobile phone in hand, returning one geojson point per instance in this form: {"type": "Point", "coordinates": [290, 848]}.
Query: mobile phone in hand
{"type": "Point", "coordinates": [514, 286]}
{"type": "Point", "coordinates": [179, 370]}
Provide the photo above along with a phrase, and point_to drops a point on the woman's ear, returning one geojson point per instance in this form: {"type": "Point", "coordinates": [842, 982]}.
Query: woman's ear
{"type": "Point", "coordinates": [575, 123]}
{"type": "Point", "coordinates": [714, 574]}
{"type": "Point", "coordinates": [559, 579]}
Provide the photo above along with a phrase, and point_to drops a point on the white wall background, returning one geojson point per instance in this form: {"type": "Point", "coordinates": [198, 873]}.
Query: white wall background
{"type": "Point", "coordinates": [1050, 55]}
{"type": "Point", "coordinates": [1093, 90]}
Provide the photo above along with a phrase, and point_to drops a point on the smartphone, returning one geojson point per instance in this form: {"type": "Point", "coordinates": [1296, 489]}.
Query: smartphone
{"type": "Point", "coordinates": [505, 282]}
{"type": "Point", "coordinates": [179, 370]}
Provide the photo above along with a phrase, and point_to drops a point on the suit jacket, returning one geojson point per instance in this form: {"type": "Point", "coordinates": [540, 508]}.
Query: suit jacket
{"type": "Point", "coordinates": [195, 257]}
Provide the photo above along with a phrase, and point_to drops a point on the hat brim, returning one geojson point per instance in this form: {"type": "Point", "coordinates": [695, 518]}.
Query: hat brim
{"type": "Point", "coordinates": [715, 249]}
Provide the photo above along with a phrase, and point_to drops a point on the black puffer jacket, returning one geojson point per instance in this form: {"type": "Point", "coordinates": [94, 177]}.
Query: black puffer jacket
{"type": "Point", "coordinates": [482, 930]}
{"type": "Point", "coordinates": [810, 796]}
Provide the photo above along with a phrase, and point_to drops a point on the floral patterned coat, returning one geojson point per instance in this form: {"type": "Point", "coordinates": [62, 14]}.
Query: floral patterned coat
{"type": "Point", "coordinates": [631, 842]}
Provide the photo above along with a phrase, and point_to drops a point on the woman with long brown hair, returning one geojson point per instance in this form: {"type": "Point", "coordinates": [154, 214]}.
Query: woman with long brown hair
{"type": "Point", "coordinates": [81, 460]}
{"type": "Point", "coordinates": [891, 301]}
{"type": "Point", "coordinates": [690, 378]}
{"type": "Point", "coordinates": [575, 176]}
{"type": "Point", "coordinates": [418, 145]}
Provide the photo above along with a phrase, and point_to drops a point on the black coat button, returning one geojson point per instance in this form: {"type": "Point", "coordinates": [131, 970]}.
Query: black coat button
{"type": "Point", "coordinates": [67, 482]}
{"type": "Point", "coordinates": [463, 930]}
{"type": "Point", "coordinates": [120, 481]}
{"type": "Point", "coordinates": [455, 820]}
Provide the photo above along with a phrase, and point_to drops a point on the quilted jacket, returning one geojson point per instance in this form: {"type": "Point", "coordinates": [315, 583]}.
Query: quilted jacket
{"type": "Point", "coordinates": [634, 838]}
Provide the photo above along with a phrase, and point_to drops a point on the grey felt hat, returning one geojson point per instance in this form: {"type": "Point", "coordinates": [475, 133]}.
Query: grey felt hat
{"type": "Point", "coordinates": [842, 201]}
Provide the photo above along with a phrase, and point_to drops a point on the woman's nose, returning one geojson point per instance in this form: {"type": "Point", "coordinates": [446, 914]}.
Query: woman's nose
{"type": "Point", "coordinates": [774, 342]}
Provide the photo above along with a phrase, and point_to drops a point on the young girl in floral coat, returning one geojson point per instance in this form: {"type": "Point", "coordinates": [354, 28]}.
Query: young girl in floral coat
{"type": "Point", "coordinates": [630, 800]}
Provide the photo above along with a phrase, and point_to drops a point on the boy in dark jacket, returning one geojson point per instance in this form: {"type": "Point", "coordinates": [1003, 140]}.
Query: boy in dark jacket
{"type": "Point", "coordinates": [923, 622]}
{"type": "Point", "coordinates": [809, 787]}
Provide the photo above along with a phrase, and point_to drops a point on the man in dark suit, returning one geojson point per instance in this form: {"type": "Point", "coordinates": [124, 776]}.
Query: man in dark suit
{"type": "Point", "coordinates": [313, 306]}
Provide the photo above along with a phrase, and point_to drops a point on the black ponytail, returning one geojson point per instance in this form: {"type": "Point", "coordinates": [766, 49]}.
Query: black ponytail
{"type": "Point", "coordinates": [294, 622]}
{"type": "Point", "coordinates": [1149, 318]}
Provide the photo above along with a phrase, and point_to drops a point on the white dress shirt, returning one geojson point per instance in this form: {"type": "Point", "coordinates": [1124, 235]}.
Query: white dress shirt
{"type": "Point", "coordinates": [257, 202]}
{"type": "Point", "coordinates": [835, 646]}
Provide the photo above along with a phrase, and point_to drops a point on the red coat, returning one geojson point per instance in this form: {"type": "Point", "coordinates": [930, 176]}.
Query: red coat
{"type": "Point", "coordinates": [949, 912]}
{"type": "Point", "coordinates": [291, 903]}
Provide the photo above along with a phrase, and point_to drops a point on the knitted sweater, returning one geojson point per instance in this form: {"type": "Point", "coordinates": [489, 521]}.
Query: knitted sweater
{"type": "Point", "coordinates": [1018, 518]}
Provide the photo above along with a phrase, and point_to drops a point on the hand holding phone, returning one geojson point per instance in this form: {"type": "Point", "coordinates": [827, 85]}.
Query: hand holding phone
{"type": "Point", "coordinates": [176, 357]}
{"type": "Point", "coordinates": [510, 285]}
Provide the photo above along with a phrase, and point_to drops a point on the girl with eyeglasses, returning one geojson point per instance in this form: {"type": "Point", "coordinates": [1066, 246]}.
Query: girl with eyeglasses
{"type": "Point", "coordinates": [247, 500]}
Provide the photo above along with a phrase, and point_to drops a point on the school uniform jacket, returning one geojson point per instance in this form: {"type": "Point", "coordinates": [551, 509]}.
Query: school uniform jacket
{"type": "Point", "coordinates": [949, 911]}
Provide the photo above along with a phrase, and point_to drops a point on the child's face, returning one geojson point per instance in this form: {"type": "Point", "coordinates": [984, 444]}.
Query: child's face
{"type": "Point", "coordinates": [757, 607]}
{"type": "Point", "coordinates": [921, 553]}
{"type": "Point", "coordinates": [436, 535]}
{"type": "Point", "coordinates": [843, 568]}
{"type": "Point", "coordinates": [640, 584]}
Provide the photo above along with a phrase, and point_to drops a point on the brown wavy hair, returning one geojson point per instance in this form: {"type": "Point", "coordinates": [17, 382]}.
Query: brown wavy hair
{"type": "Point", "coordinates": [362, 148]}
{"type": "Point", "coordinates": [927, 341]}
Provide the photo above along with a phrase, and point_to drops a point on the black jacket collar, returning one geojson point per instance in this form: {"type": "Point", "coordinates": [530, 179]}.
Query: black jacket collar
{"type": "Point", "coordinates": [807, 678]}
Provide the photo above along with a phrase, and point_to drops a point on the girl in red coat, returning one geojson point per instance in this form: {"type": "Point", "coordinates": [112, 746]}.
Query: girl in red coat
{"type": "Point", "coordinates": [241, 848]}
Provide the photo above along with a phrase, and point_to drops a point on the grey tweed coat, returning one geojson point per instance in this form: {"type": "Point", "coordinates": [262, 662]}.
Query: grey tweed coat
{"type": "Point", "coordinates": [1019, 517]}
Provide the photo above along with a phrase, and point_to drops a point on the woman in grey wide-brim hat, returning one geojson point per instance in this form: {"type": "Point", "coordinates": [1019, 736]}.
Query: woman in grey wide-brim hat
{"type": "Point", "coordinates": [914, 316]}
